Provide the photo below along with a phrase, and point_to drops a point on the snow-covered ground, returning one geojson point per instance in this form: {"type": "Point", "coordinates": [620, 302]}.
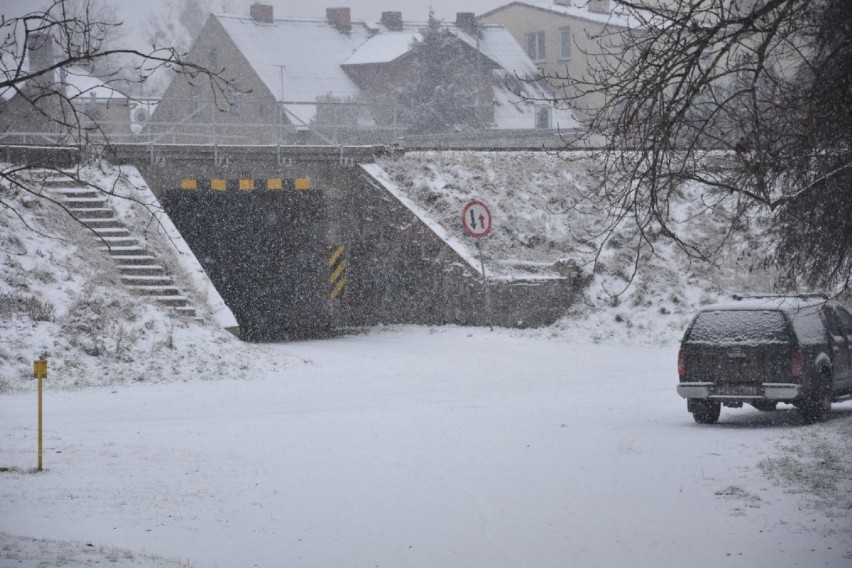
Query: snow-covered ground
{"type": "Point", "coordinates": [424, 447]}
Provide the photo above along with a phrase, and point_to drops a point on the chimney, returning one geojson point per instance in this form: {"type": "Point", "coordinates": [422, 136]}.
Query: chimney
{"type": "Point", "coordinates": [466, 21]}
{"type": "Point", "coordinates": [261, 13]}
{"type": "Point", "coordinates": [563, 2]}
{"type": "Point", "coordinates": [40, 48]}
{"type": "Point", "coordinates": [392, 21]}
{"type": "Point", "coordinates": [340, 18]}
{"type": "Point", "coordinates": [599, 6]}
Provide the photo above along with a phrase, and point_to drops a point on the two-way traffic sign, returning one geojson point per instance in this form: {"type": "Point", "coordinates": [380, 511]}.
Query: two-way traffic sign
{"type": "Point", "coordinates": [476, 219]}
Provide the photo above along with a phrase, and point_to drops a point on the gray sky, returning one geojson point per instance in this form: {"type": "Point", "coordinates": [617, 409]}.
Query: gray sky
{"type": "Point", "coordinates": [136, 12]}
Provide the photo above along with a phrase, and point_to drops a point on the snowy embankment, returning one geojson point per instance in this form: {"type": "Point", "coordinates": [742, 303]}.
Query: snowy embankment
{"type": "Point", "coordinates": [538, 224]}
{"type": "Point", "coordinates": [61, 298]}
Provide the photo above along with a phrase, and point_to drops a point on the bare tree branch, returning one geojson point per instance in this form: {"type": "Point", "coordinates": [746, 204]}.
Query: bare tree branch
{"type": "Point", "coordinates": [62, 43]}
{"type": "Point", "coordinates": [750, 101]}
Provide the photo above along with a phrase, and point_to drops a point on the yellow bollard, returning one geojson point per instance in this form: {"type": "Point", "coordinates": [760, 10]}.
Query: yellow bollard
{"type": "Point", "coordinates": [40, 372]}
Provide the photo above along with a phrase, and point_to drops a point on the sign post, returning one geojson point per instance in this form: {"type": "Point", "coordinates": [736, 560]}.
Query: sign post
{"type": "Point", "coordinates": [40, 373]}
{"type": "Point", "coordinates": [477, 221]}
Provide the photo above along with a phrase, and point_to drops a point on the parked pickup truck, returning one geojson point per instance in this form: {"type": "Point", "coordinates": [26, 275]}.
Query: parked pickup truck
{"type": "Point", "coordinates": [765, 350]}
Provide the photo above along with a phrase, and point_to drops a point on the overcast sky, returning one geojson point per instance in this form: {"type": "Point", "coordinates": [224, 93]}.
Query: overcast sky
{"type": "Point", "coordinates": [136, 12]}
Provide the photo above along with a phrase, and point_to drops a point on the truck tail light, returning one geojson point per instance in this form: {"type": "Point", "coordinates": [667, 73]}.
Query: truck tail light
{"type": "Point", "coordinates": [796, 363]}
{"type": "Point", "coordinates": [681, 364]}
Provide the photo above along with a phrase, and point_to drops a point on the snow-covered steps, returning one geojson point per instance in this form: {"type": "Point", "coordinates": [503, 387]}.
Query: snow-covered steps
{"type": "Point", "coordinates": [108, 232]}
{"type": "Point", "coordinates": [142, 259]}
{"type": "Point", "coordinates": [117, 242]}
{"type": "Point", "coordinates": [131, 270]}
{"type": "Point", "coordinates": [174, 302]}
{"type": "Point", "coordinates": [146, 280]}
{"type": "Point", "coordinates": [139, 271]}
{"type": "Point", "coordinates": [128, 249]}
{"type": "Point", "coordinates": [158, 290]}
{"type": "Point", "coordinates": [87, 213]}
{"type": "Point", "coordinates": [104, 223]}
{"type": "Point", "coordinates": [83, 202]}
{"type": "Point", "coordinates": [64, 183]}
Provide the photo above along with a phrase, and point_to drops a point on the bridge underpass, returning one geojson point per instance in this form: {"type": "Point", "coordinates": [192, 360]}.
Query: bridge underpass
{"type": "Point", "coordinates": [259, 220]}
{"type": "Point", "coordinates": [301, 241]}
{"type": "Point", "coordinates": [264, 250]}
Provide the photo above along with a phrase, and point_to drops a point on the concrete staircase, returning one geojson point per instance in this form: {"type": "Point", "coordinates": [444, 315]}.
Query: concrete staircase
{"type": "Point", "coordinates": [140, 271]}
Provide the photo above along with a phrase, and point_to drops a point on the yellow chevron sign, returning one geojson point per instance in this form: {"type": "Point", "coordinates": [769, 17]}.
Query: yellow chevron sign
{"type": "Point", "coordinates": [338, 279]}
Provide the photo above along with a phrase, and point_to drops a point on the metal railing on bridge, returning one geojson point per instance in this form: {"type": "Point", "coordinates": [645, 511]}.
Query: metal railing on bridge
{"type": "Point", "coordinates": [219, 123]}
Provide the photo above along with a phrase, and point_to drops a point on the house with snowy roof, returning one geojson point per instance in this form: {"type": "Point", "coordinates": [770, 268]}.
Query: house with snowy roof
{"type": "Point", "coordinates": [562, 37]}
{"type": "Point", "coordinates": [336, 80]}
{"type": "Point", "coordinates": [61, 106]}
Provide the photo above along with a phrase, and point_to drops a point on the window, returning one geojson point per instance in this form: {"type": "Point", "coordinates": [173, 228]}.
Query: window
{"type": "Point", "coordinates": [91, 107]}
{"type": "Point", "coordinates": [535, 46]}
{"type": "Point", "coordinates": [845, 319]}
{"type": "Point", "coordinates": [542, 118]}
{"type": "Point", "coordinates": [195, 99]}
{"type": "Point", "coordinates": [809, 326]}
{"type": "Point", "coordinates": [236, 102]}
{"type": "Point", "coordinates": [739, 327]}
{"type": "Point", "coordinates": [565, 42]}
{"type": "Point", "coordinates": [213, 58]}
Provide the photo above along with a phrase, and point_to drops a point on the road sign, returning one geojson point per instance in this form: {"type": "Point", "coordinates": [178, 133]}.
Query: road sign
{"type": "Point", "coordinates": [40, 369]}
{"type": "Point", "coordinates": [476, 219]}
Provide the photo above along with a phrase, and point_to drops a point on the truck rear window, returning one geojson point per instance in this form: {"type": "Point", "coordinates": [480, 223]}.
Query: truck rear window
{"type": "Point", "coordinates": [748, 327]}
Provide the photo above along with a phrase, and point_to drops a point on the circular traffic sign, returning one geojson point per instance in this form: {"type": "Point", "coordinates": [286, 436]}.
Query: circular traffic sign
{"type": "Point", "coordinates": [476, 218]}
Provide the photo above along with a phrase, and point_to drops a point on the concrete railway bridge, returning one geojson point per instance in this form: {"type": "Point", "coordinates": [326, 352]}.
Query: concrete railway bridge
{"type": "Point", "coordinates": [301, 241]}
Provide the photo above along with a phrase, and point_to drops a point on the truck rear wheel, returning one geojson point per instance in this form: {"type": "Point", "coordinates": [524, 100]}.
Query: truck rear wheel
{"type": "Point", "coordinates": [706, 411]}
{"type": "Point", "coordinates": [816, 405]}
{"type": "Point", "coordinates": [764, 405]}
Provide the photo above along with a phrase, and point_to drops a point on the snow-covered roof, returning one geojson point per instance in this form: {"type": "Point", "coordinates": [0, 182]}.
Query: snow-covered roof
{"type": "Point", "coordinates": [78, 81]}
{"type": "Point", "coordinates": [300, 60]}
{"type": "Point", "coordinates": [783, 303]}
{"type": "Point", "coordinates": [497, 44]}
{"type": "Point", "coordinates": [492, 40]}
{"type": "Point", "coordinates": [617, 15]}
{"type": "Point", "coordinates": [384, 48]}
{"type": "Point", "coordinates": [512, 112]}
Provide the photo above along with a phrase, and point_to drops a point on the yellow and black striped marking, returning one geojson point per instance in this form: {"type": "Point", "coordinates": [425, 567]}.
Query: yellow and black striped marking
{"type": "Point", "coordinates": [338, 265]}
{"type": "Point", "coordinates": [247, 184]}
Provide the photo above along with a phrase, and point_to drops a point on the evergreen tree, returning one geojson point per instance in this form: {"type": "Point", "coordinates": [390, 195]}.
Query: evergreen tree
{"type": "Point", "coordinates": [444, 93]}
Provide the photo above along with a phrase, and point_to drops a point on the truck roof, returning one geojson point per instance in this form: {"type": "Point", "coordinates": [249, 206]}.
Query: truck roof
{"type": "Point", "coordinates": [773, 303]}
